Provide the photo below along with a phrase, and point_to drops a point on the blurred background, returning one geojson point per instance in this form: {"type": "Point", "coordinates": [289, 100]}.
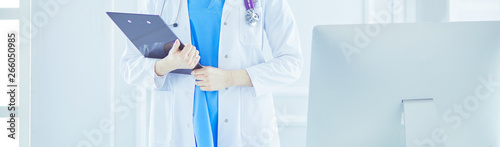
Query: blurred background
{"type": "Point", "coordinates": [76, 93]}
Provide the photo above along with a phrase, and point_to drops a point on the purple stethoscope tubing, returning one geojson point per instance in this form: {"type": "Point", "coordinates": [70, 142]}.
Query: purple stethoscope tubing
{"type": "Point", "coordinates": [251, 16]}
{"type": "Point", "coordinates": [249, 5]}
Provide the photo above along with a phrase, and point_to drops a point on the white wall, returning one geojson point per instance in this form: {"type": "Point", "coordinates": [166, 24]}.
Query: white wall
{"type": "Point", "coordinates": [131, 103]}
{"type": "Point", "coordinates": [320, 12]}
{"type": "Point", "coordinates": [71, 80]}
{"type": "Point", "coordinates": [474, 10]}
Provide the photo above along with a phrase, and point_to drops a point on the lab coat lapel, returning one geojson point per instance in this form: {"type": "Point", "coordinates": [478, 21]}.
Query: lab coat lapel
{"type": "Point", "coordinates": [229, 5]}
{"type": "Point", "coordinates": [176, 12]}
{"type": "Point", "coordinates": [171, 11]}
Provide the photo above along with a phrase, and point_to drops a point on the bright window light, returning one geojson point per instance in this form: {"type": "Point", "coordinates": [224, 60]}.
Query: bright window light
{"type": "Point", "coordinates": [9, 3]}
{"type": "Point", "coordinates": [478, 10]}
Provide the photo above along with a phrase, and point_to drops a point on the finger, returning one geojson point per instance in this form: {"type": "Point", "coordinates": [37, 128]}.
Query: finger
{"type": "Point", "coordinates": [201, 78]}
{"type": "Point", "coordinates": [176, 45]}
{"type": "Point", "coordinates": [186, 50]}
{"type": "Point", "coordinates": [200, 71]}
{"type": "Point", "coordinates": [196, 58]}
{"type": "Point", "coordinates": [195, 61]}
{"type": "Point", "coordinates": [174, 48]}
{"type": "Point", "coordinates": [191, 55]}
{"type": "Point", "coordinates": [192, 52]}
{"type": "Point", "coordinates": [201, 83]}
{"type": "Point", "coordinates": [184, 55]}
{"type": "Point", "coordinates": [205, 88]}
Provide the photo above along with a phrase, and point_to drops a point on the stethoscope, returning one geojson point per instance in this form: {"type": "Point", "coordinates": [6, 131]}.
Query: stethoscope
{"type": "Point", "coordinates": [251, 16]}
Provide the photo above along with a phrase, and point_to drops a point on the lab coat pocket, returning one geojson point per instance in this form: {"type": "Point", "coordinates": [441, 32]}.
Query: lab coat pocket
{"type": "Point", "coordinates": [258, 121]}
{"type": "Point", "coordinates": [160, 129]}
{"type": "Point", "coordinates": [250, 35]}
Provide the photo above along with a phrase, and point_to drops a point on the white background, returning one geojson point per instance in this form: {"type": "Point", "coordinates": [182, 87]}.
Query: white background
{"type": "Point", "coordinates": [9, 3]}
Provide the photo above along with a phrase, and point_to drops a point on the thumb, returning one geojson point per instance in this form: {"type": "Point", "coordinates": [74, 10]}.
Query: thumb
{"type": "Point", "coordinates": [176, 45]}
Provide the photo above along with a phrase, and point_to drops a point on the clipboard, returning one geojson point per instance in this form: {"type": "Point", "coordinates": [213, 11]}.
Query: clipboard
{"type": "Point", "coordinates": [149, 34]}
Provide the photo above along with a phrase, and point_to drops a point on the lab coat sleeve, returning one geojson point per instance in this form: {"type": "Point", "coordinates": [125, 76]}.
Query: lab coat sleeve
{"type": "Point", "coordinates": [287, 63]}
{"type": "Point", "coordinates": [139, 70]}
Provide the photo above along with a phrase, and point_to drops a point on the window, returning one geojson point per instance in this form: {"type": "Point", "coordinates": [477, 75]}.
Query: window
{"type": "Point", "coordinates": [474, 10]}
{"type": "Point", "coordinates": [9, 3]}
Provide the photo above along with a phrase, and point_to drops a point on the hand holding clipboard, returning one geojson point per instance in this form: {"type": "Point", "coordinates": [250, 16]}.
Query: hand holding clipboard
{"type": "Point", "coordinates": [149, 34]}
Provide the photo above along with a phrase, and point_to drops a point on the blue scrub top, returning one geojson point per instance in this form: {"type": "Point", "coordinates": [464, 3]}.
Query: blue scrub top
{"type": "Point", "coordinates": [205, 17]}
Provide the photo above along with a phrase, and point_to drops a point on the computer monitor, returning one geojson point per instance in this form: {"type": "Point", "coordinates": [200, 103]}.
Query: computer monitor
{"type": "Point", "coordinates": [361, 73]}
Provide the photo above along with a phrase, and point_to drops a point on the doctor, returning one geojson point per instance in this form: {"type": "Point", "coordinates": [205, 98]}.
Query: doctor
{"type": "Point", "coordinates": [228, 102]}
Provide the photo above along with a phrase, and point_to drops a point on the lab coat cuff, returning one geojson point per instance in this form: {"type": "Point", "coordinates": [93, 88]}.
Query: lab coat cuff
{"type": "Point", "coordinates": [158, 80]}
{"type": "Point", "coordinates": [254, 74]}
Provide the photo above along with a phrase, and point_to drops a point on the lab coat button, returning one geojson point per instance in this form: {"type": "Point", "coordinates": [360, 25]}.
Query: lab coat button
{"type": "Point", "coordinates": [226, 120]}
{"type": "Point", "coordinates": [175, 25]}
{"type": "Point", "coordinates": [226, 56]}
{"type": "Point", "coordinates": [225, 23]}
{"type": "Point", "coordinates": [226, 88]}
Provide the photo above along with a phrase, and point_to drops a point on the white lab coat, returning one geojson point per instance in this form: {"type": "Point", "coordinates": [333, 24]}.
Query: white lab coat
{"type": "Point", "coordinates": [246, 114]}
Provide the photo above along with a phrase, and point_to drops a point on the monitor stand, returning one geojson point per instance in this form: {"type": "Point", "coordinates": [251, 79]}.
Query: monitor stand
{"type": "Point", "coordinates": [422, 125]}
